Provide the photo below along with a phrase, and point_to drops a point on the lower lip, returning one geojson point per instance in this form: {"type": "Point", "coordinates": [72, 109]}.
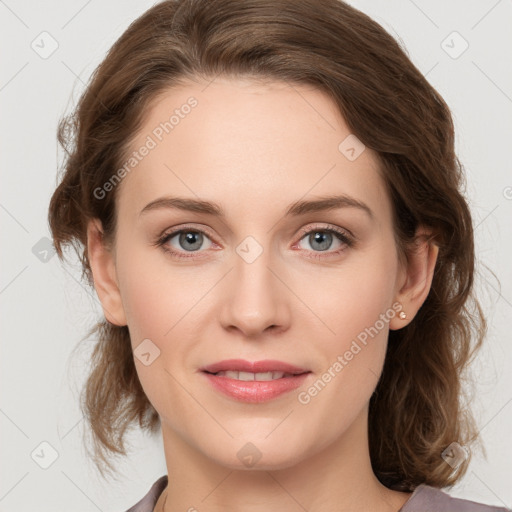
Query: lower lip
{"type": "Point", "coordinates": [254, 391]}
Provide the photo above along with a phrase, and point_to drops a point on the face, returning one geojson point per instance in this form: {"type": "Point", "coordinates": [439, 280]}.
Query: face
{"type": "Point", "coordinates": [264, 278]}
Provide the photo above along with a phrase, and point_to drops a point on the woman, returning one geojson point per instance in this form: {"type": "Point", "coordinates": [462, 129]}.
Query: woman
{"type": "Point", "coordinates": [216, 145]}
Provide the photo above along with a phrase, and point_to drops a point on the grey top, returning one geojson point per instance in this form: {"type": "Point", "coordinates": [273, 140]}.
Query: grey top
{"type": "Point", "coordinates": [423, 499]}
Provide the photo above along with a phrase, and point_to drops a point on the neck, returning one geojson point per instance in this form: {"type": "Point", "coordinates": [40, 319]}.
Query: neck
{"type": "Point", "coordinates": [338, 478]}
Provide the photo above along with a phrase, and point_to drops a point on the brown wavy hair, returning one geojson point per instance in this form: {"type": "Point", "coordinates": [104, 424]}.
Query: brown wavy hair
{"type": "Point", "coordinates": [417, 409]}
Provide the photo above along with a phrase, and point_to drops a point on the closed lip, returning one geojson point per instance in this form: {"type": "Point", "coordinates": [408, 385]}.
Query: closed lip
{"type": "Point", "coordinates": [241, 365]}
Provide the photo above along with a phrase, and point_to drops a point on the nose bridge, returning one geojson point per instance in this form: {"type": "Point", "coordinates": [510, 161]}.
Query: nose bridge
{"type": "Point", "coordinates": [254, 299]}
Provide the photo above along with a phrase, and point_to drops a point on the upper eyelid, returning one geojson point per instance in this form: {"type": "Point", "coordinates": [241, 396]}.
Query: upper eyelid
{"type": "Point", "coordinates": [173, 232]}
{"type": "Point", "coordinates": [302, 232]}
{"type": "Point", "coordinates": [328, 227]}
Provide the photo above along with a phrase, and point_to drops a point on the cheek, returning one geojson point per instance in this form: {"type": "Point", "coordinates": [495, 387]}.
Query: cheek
{"type": "Point", "coordinates": [153, 294]}
{"type": "Point", "coordinates": [357, 307]}
{"type": "Point", "coordinates": [160, 302]}
{"type": "Point", "coordinates": [352, 297]}
{"type": "Point", "coordinates": [143, 303]}
{"type": "Point", "coordinates": [152, 310]}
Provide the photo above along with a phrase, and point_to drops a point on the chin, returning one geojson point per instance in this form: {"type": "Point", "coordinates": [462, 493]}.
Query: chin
{"type": "Point", "coordinates": [258, 455]}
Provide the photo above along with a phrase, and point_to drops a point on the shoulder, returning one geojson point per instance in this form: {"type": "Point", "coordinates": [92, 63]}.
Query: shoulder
{"type": "Point", "coordinates": [148, 502]}
{"type": "Point", "coordinates": [431, 499]}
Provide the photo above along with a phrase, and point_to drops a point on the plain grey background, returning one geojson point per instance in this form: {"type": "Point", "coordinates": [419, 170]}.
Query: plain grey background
{"type": "Point", "coordinates": [49, 51]}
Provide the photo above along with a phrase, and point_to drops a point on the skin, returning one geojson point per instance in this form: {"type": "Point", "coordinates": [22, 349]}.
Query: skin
{"type": "Point", "coordinates": [255, 148]}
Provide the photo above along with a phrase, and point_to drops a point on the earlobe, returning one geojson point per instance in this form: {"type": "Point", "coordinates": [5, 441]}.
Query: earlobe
{"type": "Point", "coordinates": [104, 274]}
{"type": "Point", "coordinates": [421, 262]}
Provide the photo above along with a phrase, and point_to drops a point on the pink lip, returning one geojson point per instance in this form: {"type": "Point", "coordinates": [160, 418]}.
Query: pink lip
{"type": "Point", "coordinates": [240, 365]}
{"type": "Point", "coordinates": [254, 391]}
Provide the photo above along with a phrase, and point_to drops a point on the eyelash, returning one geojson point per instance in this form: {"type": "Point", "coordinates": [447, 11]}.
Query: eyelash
{"type": "Point", "coordinates": [343, 236]}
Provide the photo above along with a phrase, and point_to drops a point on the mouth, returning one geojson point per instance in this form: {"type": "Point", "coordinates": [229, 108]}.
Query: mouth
{"type": "Point", "coordinates": [250, 376]}
{"type": "Point", "coordinates": [254, 367]}
{"type": "Point", "coordinates": [254, 382]}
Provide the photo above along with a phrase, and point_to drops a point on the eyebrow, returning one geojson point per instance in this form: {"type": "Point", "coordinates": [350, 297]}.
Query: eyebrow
{"type": "Point", "coordinates": [297, 208]}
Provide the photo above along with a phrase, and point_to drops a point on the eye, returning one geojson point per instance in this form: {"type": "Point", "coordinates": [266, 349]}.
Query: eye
{"type": "Point", "coordinates": [321, 239]}
{"type": "Point", "coordinates": [184, 240]}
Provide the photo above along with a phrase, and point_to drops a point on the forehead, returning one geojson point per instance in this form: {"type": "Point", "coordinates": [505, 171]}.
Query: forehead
{"type": "Point", "coordinates": [246, 144]}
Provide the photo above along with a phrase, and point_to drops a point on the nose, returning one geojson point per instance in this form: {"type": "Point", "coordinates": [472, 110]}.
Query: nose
{"type": "Point", "coordinates": [255, 298]}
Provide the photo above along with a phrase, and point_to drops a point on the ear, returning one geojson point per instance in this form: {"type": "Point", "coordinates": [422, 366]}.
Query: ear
{"type": "Point", "coordinates": [416, 277]}
{"type": "Point", "coordinates": [104, 274]}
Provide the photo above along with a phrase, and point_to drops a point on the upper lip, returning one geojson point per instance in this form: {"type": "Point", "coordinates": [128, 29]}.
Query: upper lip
{"type": "Point", "coordinates": [240, 365]}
